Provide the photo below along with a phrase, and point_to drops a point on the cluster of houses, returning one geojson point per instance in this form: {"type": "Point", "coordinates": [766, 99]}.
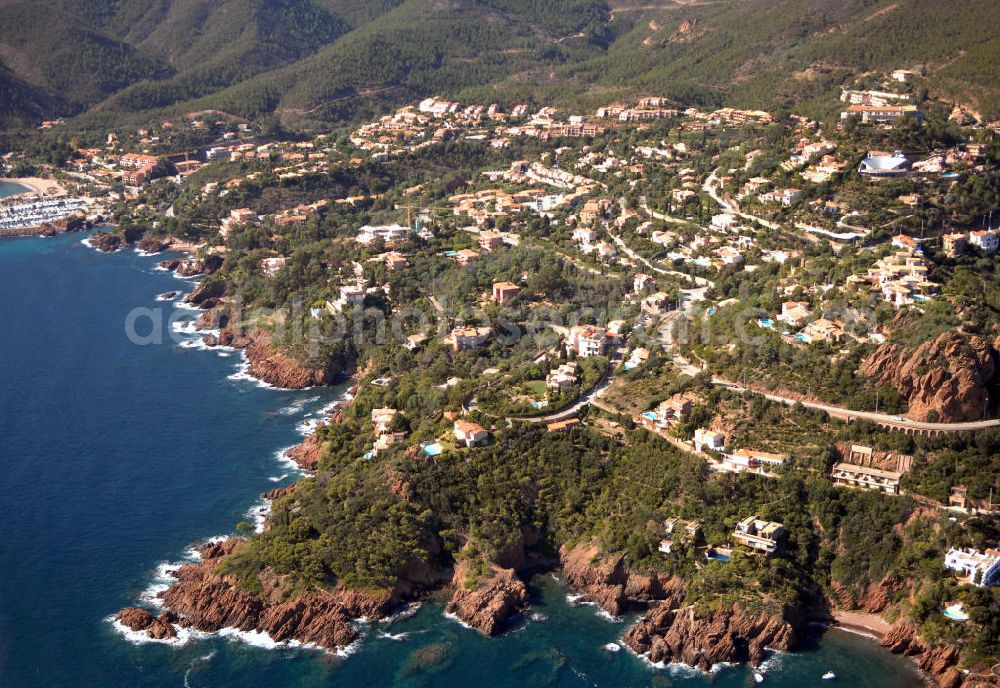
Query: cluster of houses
{"type": "Point", "coordinates": [900, 278]}
{"type": "Point", "coordinates": [956, 243]}
{"type": "Point", "coordinates": [755, 535]}
{"type": "Point", "coordinates": [137, 168]}
{"type": "Point", "coordinates": [492, 204]}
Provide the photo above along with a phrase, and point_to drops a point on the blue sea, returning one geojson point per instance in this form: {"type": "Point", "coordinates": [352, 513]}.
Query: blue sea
{"type": "Point", "coordinates": [8, 189]}
{"type": "Point", "coordinates": [116, 458]}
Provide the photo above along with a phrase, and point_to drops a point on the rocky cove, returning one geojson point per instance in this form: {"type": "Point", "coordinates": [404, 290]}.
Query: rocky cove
{"type": "Point", "coordinates": [666, 631]}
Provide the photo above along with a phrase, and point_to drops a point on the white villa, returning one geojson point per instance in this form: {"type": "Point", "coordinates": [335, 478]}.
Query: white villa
{"type": "Point", "coordinates": [982, 568]}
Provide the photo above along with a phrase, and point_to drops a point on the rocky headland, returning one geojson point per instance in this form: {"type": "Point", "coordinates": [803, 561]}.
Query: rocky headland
{"type": "Point", "coordinates": [487, 605]}
{"type": "Point", "coordinates": [939, 663]}
{"type": "Point", "coordinates": [106, 242]}
{"type": "Point", "coordinates": [704, 638]}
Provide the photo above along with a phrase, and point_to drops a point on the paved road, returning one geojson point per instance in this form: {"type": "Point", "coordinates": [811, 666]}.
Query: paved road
{"type": "Point", "coordinates": [730, 207]}
{"type": "Point", "coordinates": [700, 281]}
{"type": "Point", "coordinates": [584, 400]}
{"type": "Point", "coordinates": [894, 421]}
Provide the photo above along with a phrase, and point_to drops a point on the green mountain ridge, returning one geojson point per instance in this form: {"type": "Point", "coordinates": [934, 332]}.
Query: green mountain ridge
{"type": "Point", "coordinates": [326, 60]}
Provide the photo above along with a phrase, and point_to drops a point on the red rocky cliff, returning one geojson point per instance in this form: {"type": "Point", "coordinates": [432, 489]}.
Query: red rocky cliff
{"type": "Point", "coordinates": [945, 378]}
{"type": "Point", "coordinates": [266, 361]}
{"type": "Point", "coordinates": [606, 582]}
{"type": "Point", "coordinates": [209, 601]}
{"type": "Point", "coordinates": [489, 605]}
{"type": "Point", "coordinates": [940, 663]}
{"type": "Point", "coordinates": [705, 639]}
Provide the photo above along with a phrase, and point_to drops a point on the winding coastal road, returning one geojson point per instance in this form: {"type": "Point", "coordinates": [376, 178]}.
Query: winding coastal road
{"type": "Point", "coordinates": [885, 420]}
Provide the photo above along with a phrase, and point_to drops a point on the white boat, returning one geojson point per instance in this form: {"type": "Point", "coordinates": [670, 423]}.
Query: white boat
{"type": "Point", "coordinates": [758, 677]}
{"type": "Point", "coordinates": [829, 676]}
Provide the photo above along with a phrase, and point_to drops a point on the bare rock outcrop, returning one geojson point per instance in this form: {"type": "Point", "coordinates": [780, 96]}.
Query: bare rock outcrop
{"type": "Point", "coordinates": [208, 294]}
{"type": "Point", "coordinates": [704, 639]}
{"type": "Point", "coordinates": [190, 267]}
{"type": "Point", "coordinates": [944, 379]}
{"type": "Point", "coordinates": [489, 605]}
{"type": "Point", "coordinates": [207, 599]}
{"type": "Point", "coordinates": [275, 367]}
{"type": "Point", "coordinates": [269, 363]}
{"type": "Point", "coordinates": [939, 662]}
{"type": "Point", "coordinates": [873, 599]}
{"type": "Point", "coordinates": [601, 578]}
{"type": "Point", "coordinates": [279, 492]}
{"type": "Point", "coordinates": [106, 242]}
{"type": "Point", "coordinates": [152, 245]}
{"type": "Point", "coordinates": [306, 455]}
{"type": "Point", "coordinates": [607, 582]}
{"type": "Point", "coordinates": [138, 619]}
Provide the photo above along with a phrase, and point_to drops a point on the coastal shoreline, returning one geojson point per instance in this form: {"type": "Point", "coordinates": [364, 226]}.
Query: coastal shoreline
{"type": "Point", "coordinates": [35, 185]}
{"type": "Point", "coordinates": [862, 622]}
{"type": "Point", "coordinates": [869, 625]}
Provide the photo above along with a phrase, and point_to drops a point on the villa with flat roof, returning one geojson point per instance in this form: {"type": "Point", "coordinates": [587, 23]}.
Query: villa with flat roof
{"type": "Point", "coordinates": [759, 535]}
{"type": "Point", "coordinates": [981, 568]}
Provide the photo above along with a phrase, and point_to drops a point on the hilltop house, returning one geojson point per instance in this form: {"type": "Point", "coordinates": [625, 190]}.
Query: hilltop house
{"type": "Point", "coordinates": [655, 304]}
{"type": "Point", "coordinates": [881, 165]}
{"type": "Point", "coordinates": [984, 239]}
{"type": "Point", "coordinates": [823, 330]}
{"type": "Point", "coordinates": [880, 114]}
{"type": "Point", "coordinates": [489, 240]}
{"type": "Point", "coordinates": [470, 434]}
{"type": "Point", "coordinates": [382, 419]}
{"type": "Point", "coordinates": [759, 535]}
{"type": "Point", "coordinates": [640, 282]}
{"type": "Point", "coordinates": [960, 499]}
{"type": "Point", "coordinates": [954, 244]}
{"type": "Point", "coordinates": [708, 439]}
{"type": "Point", "coordinates": [676, 407]}
{"type": "Point", "coordinates": [270, 266]}
{"type": "Point", "coordinates": [864, 469]}
{"type": "Point", "coordinates": [785, 197]}
{"type": "Point", "coordinates": [982, 568]}
{"type": "Point", "coordinates": [678, 531]}
{"type": "Point", "coordinates": [795, 312]}
{"type": "Point", "coordinates": [462, 338]}
{"type": "Point", "coordinates": [753, 460]}
{"type": "Point", "coordinates": [587, 340]}
{"type": "Point", "coordinates": [562, 378]}
{"type": "Point", "coordinates": [390, 234]}
{"type": "Point", "coordinates": [504, 291]}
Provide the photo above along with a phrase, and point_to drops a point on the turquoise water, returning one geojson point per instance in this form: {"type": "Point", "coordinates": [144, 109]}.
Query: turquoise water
{"type": "Point", "coordinates": [117, 457]}
{"type": "Point", "coordinates": [8, 189]}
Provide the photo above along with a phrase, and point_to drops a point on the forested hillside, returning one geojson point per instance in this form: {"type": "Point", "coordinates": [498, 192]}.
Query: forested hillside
{"type": "Point", "coordinates": [324, 60]}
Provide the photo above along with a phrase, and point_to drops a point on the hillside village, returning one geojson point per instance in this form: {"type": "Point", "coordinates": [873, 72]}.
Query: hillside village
{"type": "Point", "coordinates": [772, 299]}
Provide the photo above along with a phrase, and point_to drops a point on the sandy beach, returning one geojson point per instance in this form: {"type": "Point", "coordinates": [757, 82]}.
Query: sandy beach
{"type": "Point", "coordinates": [42, 187]}
{"type": "Point", "coordinates": [862, 621]}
